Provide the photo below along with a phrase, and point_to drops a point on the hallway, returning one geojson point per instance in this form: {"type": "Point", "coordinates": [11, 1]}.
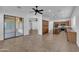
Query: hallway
{"type": "Point", "coordinates": [37, 43]}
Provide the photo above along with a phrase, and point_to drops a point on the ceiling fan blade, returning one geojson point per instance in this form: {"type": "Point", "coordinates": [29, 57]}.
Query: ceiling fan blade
{"type": "Point", "coordinates": [33, 9]}
{"type": "Point", "coordinates": [41, 13]}
{"type": "Point", "coordinates": [41, 10]}
{"type": "Point", "coordinates": [35, 13]}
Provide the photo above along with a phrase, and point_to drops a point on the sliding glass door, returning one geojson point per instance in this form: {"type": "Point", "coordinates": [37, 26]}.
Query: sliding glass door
{"type": "Point", "coordinates": [19, 26]}
{"type": "Point", "coordinates": [13, 26]}
{"type": "Point", "coordinates": [9, 26]}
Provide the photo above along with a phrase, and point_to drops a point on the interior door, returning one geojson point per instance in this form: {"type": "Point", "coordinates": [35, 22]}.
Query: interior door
{"type": "Point", "coordinates": [9, 26]}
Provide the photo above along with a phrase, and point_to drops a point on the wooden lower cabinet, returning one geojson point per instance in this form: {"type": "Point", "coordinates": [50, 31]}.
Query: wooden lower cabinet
{"type": "Point", "coordinates": [56, 31]}
{"type": "Point", "coordinates": [71, 36]}
{"type": "Point", "coordinates": [45, 26]}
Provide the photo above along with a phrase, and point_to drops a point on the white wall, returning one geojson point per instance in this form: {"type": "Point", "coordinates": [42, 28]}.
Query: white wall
{"type": "Point", "coordinates": [1, 27]}
{"type": "Point", "coordinates": [73, 22]}
{"type": "Point", "coordinates": [1, 24]}
{"type": "Point", "coordinates": [76, 14]}
{"type": "Point", "coordinates": [26, 26]}
{"type": "Point", "coordinates": [51, 26]}
{"type": "Point", "coordinates": [40, 25]}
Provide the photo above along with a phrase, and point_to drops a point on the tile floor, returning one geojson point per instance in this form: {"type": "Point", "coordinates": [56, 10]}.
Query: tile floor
{"type": "Point", "coordinates": [37, 43]}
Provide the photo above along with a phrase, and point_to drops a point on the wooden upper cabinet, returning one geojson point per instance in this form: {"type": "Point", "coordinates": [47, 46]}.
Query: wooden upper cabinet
{"type": "Point", "coordinates": [45, 26]}
{"type": "Point", "coordinates": [63, 22]}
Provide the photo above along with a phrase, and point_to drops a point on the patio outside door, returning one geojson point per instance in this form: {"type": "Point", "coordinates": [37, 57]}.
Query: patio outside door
{"type": "Point", "coordinates": [19, 26]}
{"type": "Point", "coordinates": [9, 26]}
{"type": "Point", "coordinates": [13, 26]}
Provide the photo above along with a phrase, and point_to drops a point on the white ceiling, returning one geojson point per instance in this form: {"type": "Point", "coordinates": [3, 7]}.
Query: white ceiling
{"type": "Point", "coordinates": [53, 12]}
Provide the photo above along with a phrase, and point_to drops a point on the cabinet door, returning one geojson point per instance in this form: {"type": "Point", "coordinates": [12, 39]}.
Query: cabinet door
{"type": "Point", "coordinates": [71, 36]}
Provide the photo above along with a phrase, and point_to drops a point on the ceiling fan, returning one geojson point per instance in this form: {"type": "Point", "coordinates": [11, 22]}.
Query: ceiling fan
{"type": "Point", "coordinates": [36, 10]}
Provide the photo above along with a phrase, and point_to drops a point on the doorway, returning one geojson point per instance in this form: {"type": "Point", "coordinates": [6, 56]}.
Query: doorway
{"type": "Point", "coordinates": [33, 22]}
{"type": "Point", "coordinates": [13, 26]}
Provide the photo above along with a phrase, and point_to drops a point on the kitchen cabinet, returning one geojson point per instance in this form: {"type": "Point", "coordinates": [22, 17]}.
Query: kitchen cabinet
{"type": "Point", "coordinates": [71, 36]}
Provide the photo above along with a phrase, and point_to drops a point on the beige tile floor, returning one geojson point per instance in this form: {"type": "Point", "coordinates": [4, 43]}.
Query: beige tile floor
{"type": "Point", "coordinates": [37, 43]}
